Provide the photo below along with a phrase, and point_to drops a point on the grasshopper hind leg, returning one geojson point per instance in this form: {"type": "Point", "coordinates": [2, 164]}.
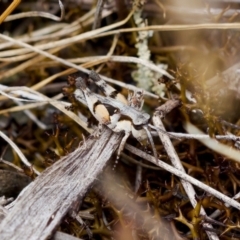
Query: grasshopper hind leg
{"type": "Point", "coordinates": [125, 126]}
{"type": "Point", "coordinates": [120, 149]}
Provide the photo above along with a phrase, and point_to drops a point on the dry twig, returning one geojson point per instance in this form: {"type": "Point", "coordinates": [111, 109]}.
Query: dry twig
{"type": "Point", "coordinates": [177, 164]}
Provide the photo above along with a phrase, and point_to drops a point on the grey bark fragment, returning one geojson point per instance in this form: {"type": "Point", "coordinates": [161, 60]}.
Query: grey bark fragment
{"type": "Point", "coordinates": [39, 210]}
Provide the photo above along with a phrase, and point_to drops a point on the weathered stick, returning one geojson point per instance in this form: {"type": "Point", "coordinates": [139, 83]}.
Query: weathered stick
{"type": "Point", "coordinates": [178, 165]}
{"type": "Point", "coordinates": [40, 208]}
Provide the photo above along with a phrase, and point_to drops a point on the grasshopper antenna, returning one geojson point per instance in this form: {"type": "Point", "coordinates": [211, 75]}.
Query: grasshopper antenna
{"type": "Point", "coordinates": [152, 143]}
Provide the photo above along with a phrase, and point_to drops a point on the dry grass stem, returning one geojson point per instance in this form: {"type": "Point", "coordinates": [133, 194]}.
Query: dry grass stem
{"type": "Point", "coordinates": [178, 165]}
{"type": "Point", "coordinates": [18, 151]}
{"type": "Point", "coordinates": [216, 146]}
{"type": "Point", "coordinates": [36, 96]}
{"type": "Point", "coordinates": [8, 11]}
{"type": "Point", "coordinates": [67, 63]}
{"type": "Point", "coordinates": [38, 14]}
{"type": "Point", "coordinates": [60, 43]}
{"type": "Point", "coordinates": [184, 177]}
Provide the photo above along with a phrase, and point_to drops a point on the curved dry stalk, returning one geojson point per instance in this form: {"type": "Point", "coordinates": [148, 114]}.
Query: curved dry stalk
{"type": "Point", "coordinates": [125, 59]}
{"type": "Point", "coordinates": [216, 146]}
{"type": "Point", "coordinates": [19, 101]}
{"type": "Point", "coordinates": [110, 52]}
{"type": "Point", "coordinates": [63, 61]}
{"type": "Point", "coordinates": [30, 93]}
{"type": "Point", "coordinates": [38, 14]}
{"type": "Point", "coordinates": [38, 34]}
{"type": "Point", "coordinates": [54, 31]}
{"type": "Point", "coordinates": [62, 42]}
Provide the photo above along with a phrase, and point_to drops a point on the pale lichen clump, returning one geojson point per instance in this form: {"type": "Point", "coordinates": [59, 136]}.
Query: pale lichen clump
{"type": "Point", "coordinates": [144, 77]}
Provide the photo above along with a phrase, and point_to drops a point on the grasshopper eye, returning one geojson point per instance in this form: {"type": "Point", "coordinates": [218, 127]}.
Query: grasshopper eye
{"type": "Point", "coordinates": [142, 119]}
{"type": "Point", "coordinates": [111, 110]}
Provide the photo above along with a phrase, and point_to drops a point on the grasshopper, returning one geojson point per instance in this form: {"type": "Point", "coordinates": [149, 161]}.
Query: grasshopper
{"type": "Point", "coordinates": [114, 111]}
